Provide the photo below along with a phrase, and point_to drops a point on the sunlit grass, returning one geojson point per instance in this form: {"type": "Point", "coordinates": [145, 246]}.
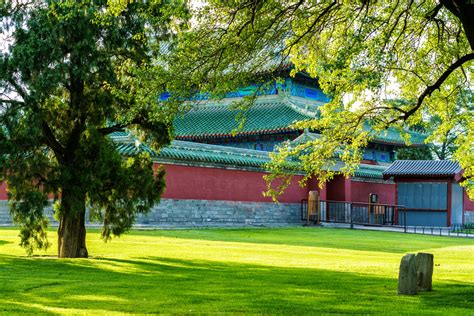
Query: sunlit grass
{"type": "Point", "coordinates": [283, 271]}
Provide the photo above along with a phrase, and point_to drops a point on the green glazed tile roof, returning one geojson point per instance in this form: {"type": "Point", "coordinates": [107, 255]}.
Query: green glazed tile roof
{"type": "Point", "coordinates": [363, 170]}
{"type": "Point", "coordinates": [392, 136]}
{"type": "Point", "coordinates": [214, 154]}
{"type": "Point", "coordinates": [268, 115]}
{"type": "Point", "coordinates": [370, 171]}
{"type": "Point", "coordinates": [190, 152]}
{"type": "Point", "coordinates": [304, 138]}
{"type": "Point", "coordinates": [216, 120]}
{"type": "Point", "coordinates": [423, 168]}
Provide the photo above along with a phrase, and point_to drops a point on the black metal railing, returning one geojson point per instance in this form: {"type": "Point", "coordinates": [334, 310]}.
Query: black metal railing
{"type": "Point", "coordinates": [451, 231]}
{"type": "Point", "coordinates": [352, 213]}
{"type": "Point", "coordinates": [367, 214]}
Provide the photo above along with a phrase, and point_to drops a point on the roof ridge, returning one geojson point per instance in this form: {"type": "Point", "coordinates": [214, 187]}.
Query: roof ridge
{"type": "Point", "coordinates": [218, 154]}
{"type": "Point", "coordinates": [369, 166]}
{"type": "Point", "coordinates": [225, 102]}
{"type": "Point", "coordinates": [297, 108]}
{"type": "Point", "coordinates": [424, 168]}
{"type": "Point", "coordinates": [218, 148]}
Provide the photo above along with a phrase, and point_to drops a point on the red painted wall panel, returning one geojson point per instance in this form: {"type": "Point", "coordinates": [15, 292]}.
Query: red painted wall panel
{"type": "Point", "coordinates": [468, 204]}
{"type": "Point", "coordinates": [4, 195]}
{"type": "Point", "coordinates": [3, 191]}
{"type": "Point", "coordinates": [385, 191]}
{"type": "Point", "coordinates": [187, 182]}
{"type": "Point", "coordinates": [183, 182]}
{"type": "Point", "coordinates": [336, 189]}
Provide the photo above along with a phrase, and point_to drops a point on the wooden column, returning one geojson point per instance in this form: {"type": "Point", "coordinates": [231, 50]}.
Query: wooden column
{"type": "Point", "coordinates": [313, 204]}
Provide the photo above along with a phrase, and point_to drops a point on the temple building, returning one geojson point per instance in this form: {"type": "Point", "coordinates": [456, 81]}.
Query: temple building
{"type": "Point", "coordinates": [215, 167]}
{"type": "Point", "coordinates": [267, 122]}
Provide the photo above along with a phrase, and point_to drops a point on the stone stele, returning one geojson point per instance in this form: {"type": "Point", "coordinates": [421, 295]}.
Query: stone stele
{"type": "Point", "coordinates": [407, 278]}
{"type": "Point", "coordinates": [424, 271]}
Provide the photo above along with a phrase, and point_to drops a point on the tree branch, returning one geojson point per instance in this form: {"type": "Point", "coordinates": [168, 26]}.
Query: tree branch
{"type": "Point", "coordinates": [12, 102]}
{"type": "Point", "coordinates": [464, 10]}
{"type": "Point", "coordinates": [118, 127]}
{"type": "Point", "coordinates": [49, 138]}
{"type": "Point", "coordinates": [51, 141]}
{"type": "Point", "coordinates": [430, 89]}
{"type": "Point", "coordinates": [434, 12]}
{"type": "Point", "coordinates": [309, 29]}
{"type": "Point", "coordinates": [18, 89]}
{"type": "Point", "coordinates": [111, 129]}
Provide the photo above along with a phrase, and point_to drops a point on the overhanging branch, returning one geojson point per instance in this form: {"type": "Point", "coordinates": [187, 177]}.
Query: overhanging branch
{"type": "Point", "coordinates": [12, 102]}
{"type": "Point", "coordinates": [51, 141]}
{"type": "Point", "coordinates": [430, 89]}
{"type": "Point", "coordinates": [118, 127]}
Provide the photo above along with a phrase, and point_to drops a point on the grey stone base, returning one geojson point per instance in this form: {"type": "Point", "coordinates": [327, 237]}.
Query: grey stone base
{"type": "Point", "coordinates": [6, 220]}
{"type": "Point", "coordinates": [203, 213]}
{"type": "Point", "coordinates": [4, 213]}
{"type": "Point", "coordinates": [468, 217]}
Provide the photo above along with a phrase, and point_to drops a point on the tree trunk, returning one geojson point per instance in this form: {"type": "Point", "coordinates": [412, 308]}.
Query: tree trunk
{"type": "Point", "coordinates": [72, 230]}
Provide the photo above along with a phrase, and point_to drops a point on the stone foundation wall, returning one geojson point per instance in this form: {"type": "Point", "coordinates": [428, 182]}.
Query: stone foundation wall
{"type": "Point", "coordinates": [6, 220]}
{"type": "Point", "coordinates": [4, 213]}
{"type": "Point", "coordinates": [202, 213]}
{"type": "Point", "coordinates": [468, 217]}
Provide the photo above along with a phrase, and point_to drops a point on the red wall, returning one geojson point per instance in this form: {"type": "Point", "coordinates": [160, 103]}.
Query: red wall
{"type": "Point", "coordinates": [342, 189]}
{"type": "Point", "coordinates": [183, 182]}
{"type": "Point", "coordinates": [468, 204]}
{"type": "Point", "coordinates": [3, 191]}
{"type": "Point", "coordinates": [385, 191]}
{"type": "Point", "coordinates": [199, 183]}
{"type": "Point", "coordinates": [336, 189]}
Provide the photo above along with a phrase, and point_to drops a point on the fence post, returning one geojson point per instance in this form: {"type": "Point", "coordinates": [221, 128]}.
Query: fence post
{"type": "Point", "coordinates": [352, 218]}
{"type": "Point", "coordinates": [405, 219]}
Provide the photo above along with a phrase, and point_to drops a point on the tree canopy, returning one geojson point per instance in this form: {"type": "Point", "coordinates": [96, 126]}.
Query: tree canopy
{"type": "Point", "coordinates": [74, 72]}
{"type": "Point", "coordinates": [365, 55]}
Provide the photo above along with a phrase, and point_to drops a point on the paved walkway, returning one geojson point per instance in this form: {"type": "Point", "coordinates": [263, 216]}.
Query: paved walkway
{"type": "Point", "coordinates": [435, 231]}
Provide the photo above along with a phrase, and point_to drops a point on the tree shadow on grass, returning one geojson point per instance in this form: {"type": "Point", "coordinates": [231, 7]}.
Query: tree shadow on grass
{"type": "Point", "coordinates": [4, 242]}
{"type": "Point", "coordinates": [164, 285]}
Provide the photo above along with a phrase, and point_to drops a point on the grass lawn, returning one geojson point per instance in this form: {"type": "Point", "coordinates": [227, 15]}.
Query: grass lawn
{"type": "Point", "coordinates": [238, 271]}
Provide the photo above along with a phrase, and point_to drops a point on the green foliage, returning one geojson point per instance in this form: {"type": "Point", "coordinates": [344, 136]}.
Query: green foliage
{"type": "Point", "coordinates": [419, 152]}
{"type": "Point", "coordinates": [74, 72]}
{"type": "Point", "coordinates": [414, 153]}
{"type": "Point", "coordinates": [449, 123]}
{"type": "Point", "coordinates": [363, 53]}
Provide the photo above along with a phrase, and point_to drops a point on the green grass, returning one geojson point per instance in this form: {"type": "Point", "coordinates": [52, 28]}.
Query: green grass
{"type": "Point", "coordinates": [238, 271]}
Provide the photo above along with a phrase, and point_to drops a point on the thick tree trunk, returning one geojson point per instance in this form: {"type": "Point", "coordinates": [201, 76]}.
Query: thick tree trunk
{"type": "Point", "coordinates": [72, 231]}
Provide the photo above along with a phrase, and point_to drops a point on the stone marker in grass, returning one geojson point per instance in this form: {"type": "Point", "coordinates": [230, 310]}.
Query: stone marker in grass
{"type": "Point", "coordinates": [416, 273]}
{"type": "Point", "coordinates": [424, 271]}
{"type": "Point", "coordinates": [407, 281]}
